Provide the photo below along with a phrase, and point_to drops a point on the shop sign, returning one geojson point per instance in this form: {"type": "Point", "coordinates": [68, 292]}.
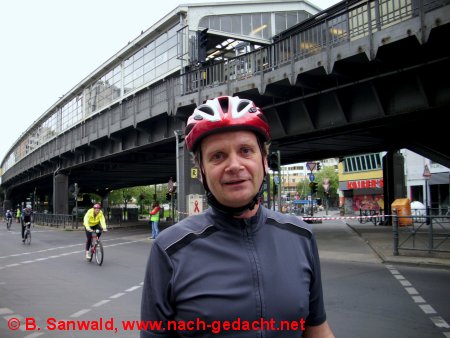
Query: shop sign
{"type": "Point", "coordinates": [364, 184]}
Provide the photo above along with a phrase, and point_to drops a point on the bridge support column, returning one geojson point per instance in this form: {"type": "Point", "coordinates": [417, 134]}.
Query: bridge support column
{"type": "Point", "coordinates": [7, 205]}
{"type": "Point", "coordinates": [60, 194]}
{"type": "Point", "coordinates": [394, 179]}
{"type": "Point", "coordinates": [186, 184]}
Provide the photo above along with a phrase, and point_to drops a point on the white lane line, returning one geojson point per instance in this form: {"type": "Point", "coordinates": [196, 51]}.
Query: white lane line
{"type": "Point", "coordinates": [80, 313]}
{"type": "Point", "coordinates": [5, 311]}
{"type": "Point", "coordinates": [117, 295]}
{"type": "Point", "coordinates": [438, 321]}
{"type": "Point", "coordinates": [102, 302]}
{"type": "Point", "coordinates": [412, 291]}
{"type": "Point", "coordinates": [34, 335]}
{"type": "Point", "coordinates": [133, 288]}
{"type": "Point", "coordinates": [60, 255]}
{"type": "Point", "coordinates": [418, 299]}
{"type": "Point", "coordinates": [428, 309]}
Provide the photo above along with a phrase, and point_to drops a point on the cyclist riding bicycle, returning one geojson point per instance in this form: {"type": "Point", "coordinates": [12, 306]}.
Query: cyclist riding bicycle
{"type": "Point", "coordinates": [8, 218]}
{"type": "Point", "coordinates": [8, 214]}
{"type": "Point", "coordinates": [93, 220]}
{"type": "Point", "coordinates": [25, 220]}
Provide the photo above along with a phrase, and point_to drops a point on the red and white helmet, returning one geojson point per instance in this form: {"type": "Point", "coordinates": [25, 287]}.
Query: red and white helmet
{"type": "Point", "coordinates": [225, 113]}
{"type": "Point", "coordinates": [97, 206]}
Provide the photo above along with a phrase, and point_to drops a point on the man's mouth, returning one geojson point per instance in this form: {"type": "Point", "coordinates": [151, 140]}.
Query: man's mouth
{"type": "Point", "coordinates": [234, 182]}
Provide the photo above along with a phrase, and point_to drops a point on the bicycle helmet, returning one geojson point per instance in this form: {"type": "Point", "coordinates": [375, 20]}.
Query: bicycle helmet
{"type": "Point", "coordinates": [97, 206]}
{"type": "Point", "coordinates": [225, 113]}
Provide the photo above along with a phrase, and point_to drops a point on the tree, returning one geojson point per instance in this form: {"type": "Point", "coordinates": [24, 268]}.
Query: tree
{"type": "Point", "coordinates": [330, 173]}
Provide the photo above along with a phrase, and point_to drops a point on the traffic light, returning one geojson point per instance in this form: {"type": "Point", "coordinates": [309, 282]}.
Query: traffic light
{"type": "Point", "coordinates": [313, 186]}
{"type": "Point", "coordinates": [318, 166]}
{"type": "Point", "coordinates": [202, 44]}
{"type": "Point", "coordinates": [274, 162]}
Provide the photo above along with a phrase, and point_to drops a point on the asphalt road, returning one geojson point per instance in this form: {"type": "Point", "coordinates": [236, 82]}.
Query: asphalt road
{"type": "Point", "coordinates": [49, 282]}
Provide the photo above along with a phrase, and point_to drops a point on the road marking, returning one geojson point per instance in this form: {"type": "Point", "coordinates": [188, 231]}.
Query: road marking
{"type": "Point", "coordinates": [60, 255]}
{"type": "Point", "coordinates": [5, 311]}
{"type": "Point", "coordinates": [34, 335]}
{"type": "Point", "coordinates": [80, 313]}
{"type": "Point", "coordinates": [418, 299]}
{"type": "Point", "coordinates": [117, 295]}
{"type": "Point", "coordinates": [405, 283]}
{"type": "Point", "coordinates": [412, 291]}
{"type": "Point", "coordinates": [428, 309]}
{"type": "Point", "coordinates": [102, 302]}
{"type": "Point", "coordinates": [133, 288]}
{"type": "Point", "coordinates": [438, 321]}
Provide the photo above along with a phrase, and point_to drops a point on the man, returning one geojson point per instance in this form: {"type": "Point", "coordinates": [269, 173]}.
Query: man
{"type": "Point", "coordinates": [238, 268]}
{"type": "Point", "coordinates": [93, 220]}
{"type": "Point", "coordinates": [25, 219]}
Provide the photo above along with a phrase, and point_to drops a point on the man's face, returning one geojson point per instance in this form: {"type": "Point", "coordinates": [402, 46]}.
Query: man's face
{"type": "Point", "coordinates": [96, 210]}
{"type": "Point", "coordinates": [233, 166]}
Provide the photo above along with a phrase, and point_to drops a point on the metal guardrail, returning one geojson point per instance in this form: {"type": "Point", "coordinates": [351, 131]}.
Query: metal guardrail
{"type": "Point", "coordinates": [425, 233]}
{"type": "Point", "coordinates": [55, 220]}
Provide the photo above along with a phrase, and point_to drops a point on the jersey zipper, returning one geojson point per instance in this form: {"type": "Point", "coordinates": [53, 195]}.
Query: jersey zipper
{"type": "Point", "coordinates": [256, 269]}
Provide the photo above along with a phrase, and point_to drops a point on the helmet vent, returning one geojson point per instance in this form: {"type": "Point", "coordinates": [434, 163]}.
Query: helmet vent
{"type": "Point", "coordinates": [242, 104]}
{"type": "Point", "coordinates": [205, 109]}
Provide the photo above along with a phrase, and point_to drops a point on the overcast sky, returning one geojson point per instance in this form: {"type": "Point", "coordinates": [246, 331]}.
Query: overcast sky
{"type": "Point", "coordinates": [49, 46]}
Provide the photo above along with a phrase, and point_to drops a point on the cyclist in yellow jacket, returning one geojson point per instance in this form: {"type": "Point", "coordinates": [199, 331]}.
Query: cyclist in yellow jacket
{"type": "Point", "coordinates": [93, 220]}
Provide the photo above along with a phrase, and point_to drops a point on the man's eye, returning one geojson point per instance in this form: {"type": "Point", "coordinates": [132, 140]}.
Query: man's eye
{"type": "Point", "coordinates": [216, 156]}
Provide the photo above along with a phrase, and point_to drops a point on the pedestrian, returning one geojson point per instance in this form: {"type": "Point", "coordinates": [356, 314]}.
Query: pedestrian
{"type": "Point", "coordinates": [237, 266]}
{"type": "Point", "coordinates": [18, 214]}
{"type": "Point", "coordinates": [154, 219]}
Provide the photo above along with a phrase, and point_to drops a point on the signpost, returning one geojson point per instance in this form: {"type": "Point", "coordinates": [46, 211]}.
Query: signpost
{"type": "Point", "coordinates": [426, 175]}
{"type": "Point", "coordinates": [311, 165]}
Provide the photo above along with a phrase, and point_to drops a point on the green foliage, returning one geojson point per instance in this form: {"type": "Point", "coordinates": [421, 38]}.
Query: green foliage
{"type": "Point", "coordinates": [325, 172]}
{"type": "Point", "coordinates": [144, 196]}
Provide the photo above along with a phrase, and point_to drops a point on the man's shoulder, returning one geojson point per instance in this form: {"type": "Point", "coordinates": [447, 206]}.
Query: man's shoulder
{"type": "Point", "coordinates": [192, 226]}
{"type": "Point", "coordinates": [289, 222]}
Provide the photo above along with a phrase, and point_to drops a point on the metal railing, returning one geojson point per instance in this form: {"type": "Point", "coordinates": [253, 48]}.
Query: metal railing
{"type": "Point", "coordinates": [55, 220]}
{"type": "Point", "coordinates": [321, 33]}
{"type": "Point", "coordinates": [421, 233]}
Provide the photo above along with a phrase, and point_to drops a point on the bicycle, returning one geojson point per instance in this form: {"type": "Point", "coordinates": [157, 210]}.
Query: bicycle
{"type": "Point", "coordinates": [363, 215]}
{"type": "Point", "coordinates": [27, 234]}
{"type": "Point", "coordinates": [96, 248]}
{"type": "Point", "coordinates": [8, 223]}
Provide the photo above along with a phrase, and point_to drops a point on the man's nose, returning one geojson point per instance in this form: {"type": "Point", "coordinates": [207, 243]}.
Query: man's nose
{"type": "Point", "coordinates": [234, 162]}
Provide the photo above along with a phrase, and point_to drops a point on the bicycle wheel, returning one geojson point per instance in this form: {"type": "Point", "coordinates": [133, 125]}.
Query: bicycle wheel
{"type": "Point", "coordinates": [99, 253]}
{"type": "Point", "coordinates": [361, 216]}
{"type": "Point", "coordinates": [374, 218]}
{"type": "Point", "coordinates": [28, 237]}
{"type": "Point", "coordinates": [364, 217]}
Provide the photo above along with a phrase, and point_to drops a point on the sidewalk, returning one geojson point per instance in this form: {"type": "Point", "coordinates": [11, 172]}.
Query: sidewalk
{"type": "Point", "coordinates": [381, 240]}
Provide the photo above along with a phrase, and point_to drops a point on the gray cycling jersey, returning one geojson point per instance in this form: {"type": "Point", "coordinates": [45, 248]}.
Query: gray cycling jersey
{"type": "Point", "coordinates": [215, 269]}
